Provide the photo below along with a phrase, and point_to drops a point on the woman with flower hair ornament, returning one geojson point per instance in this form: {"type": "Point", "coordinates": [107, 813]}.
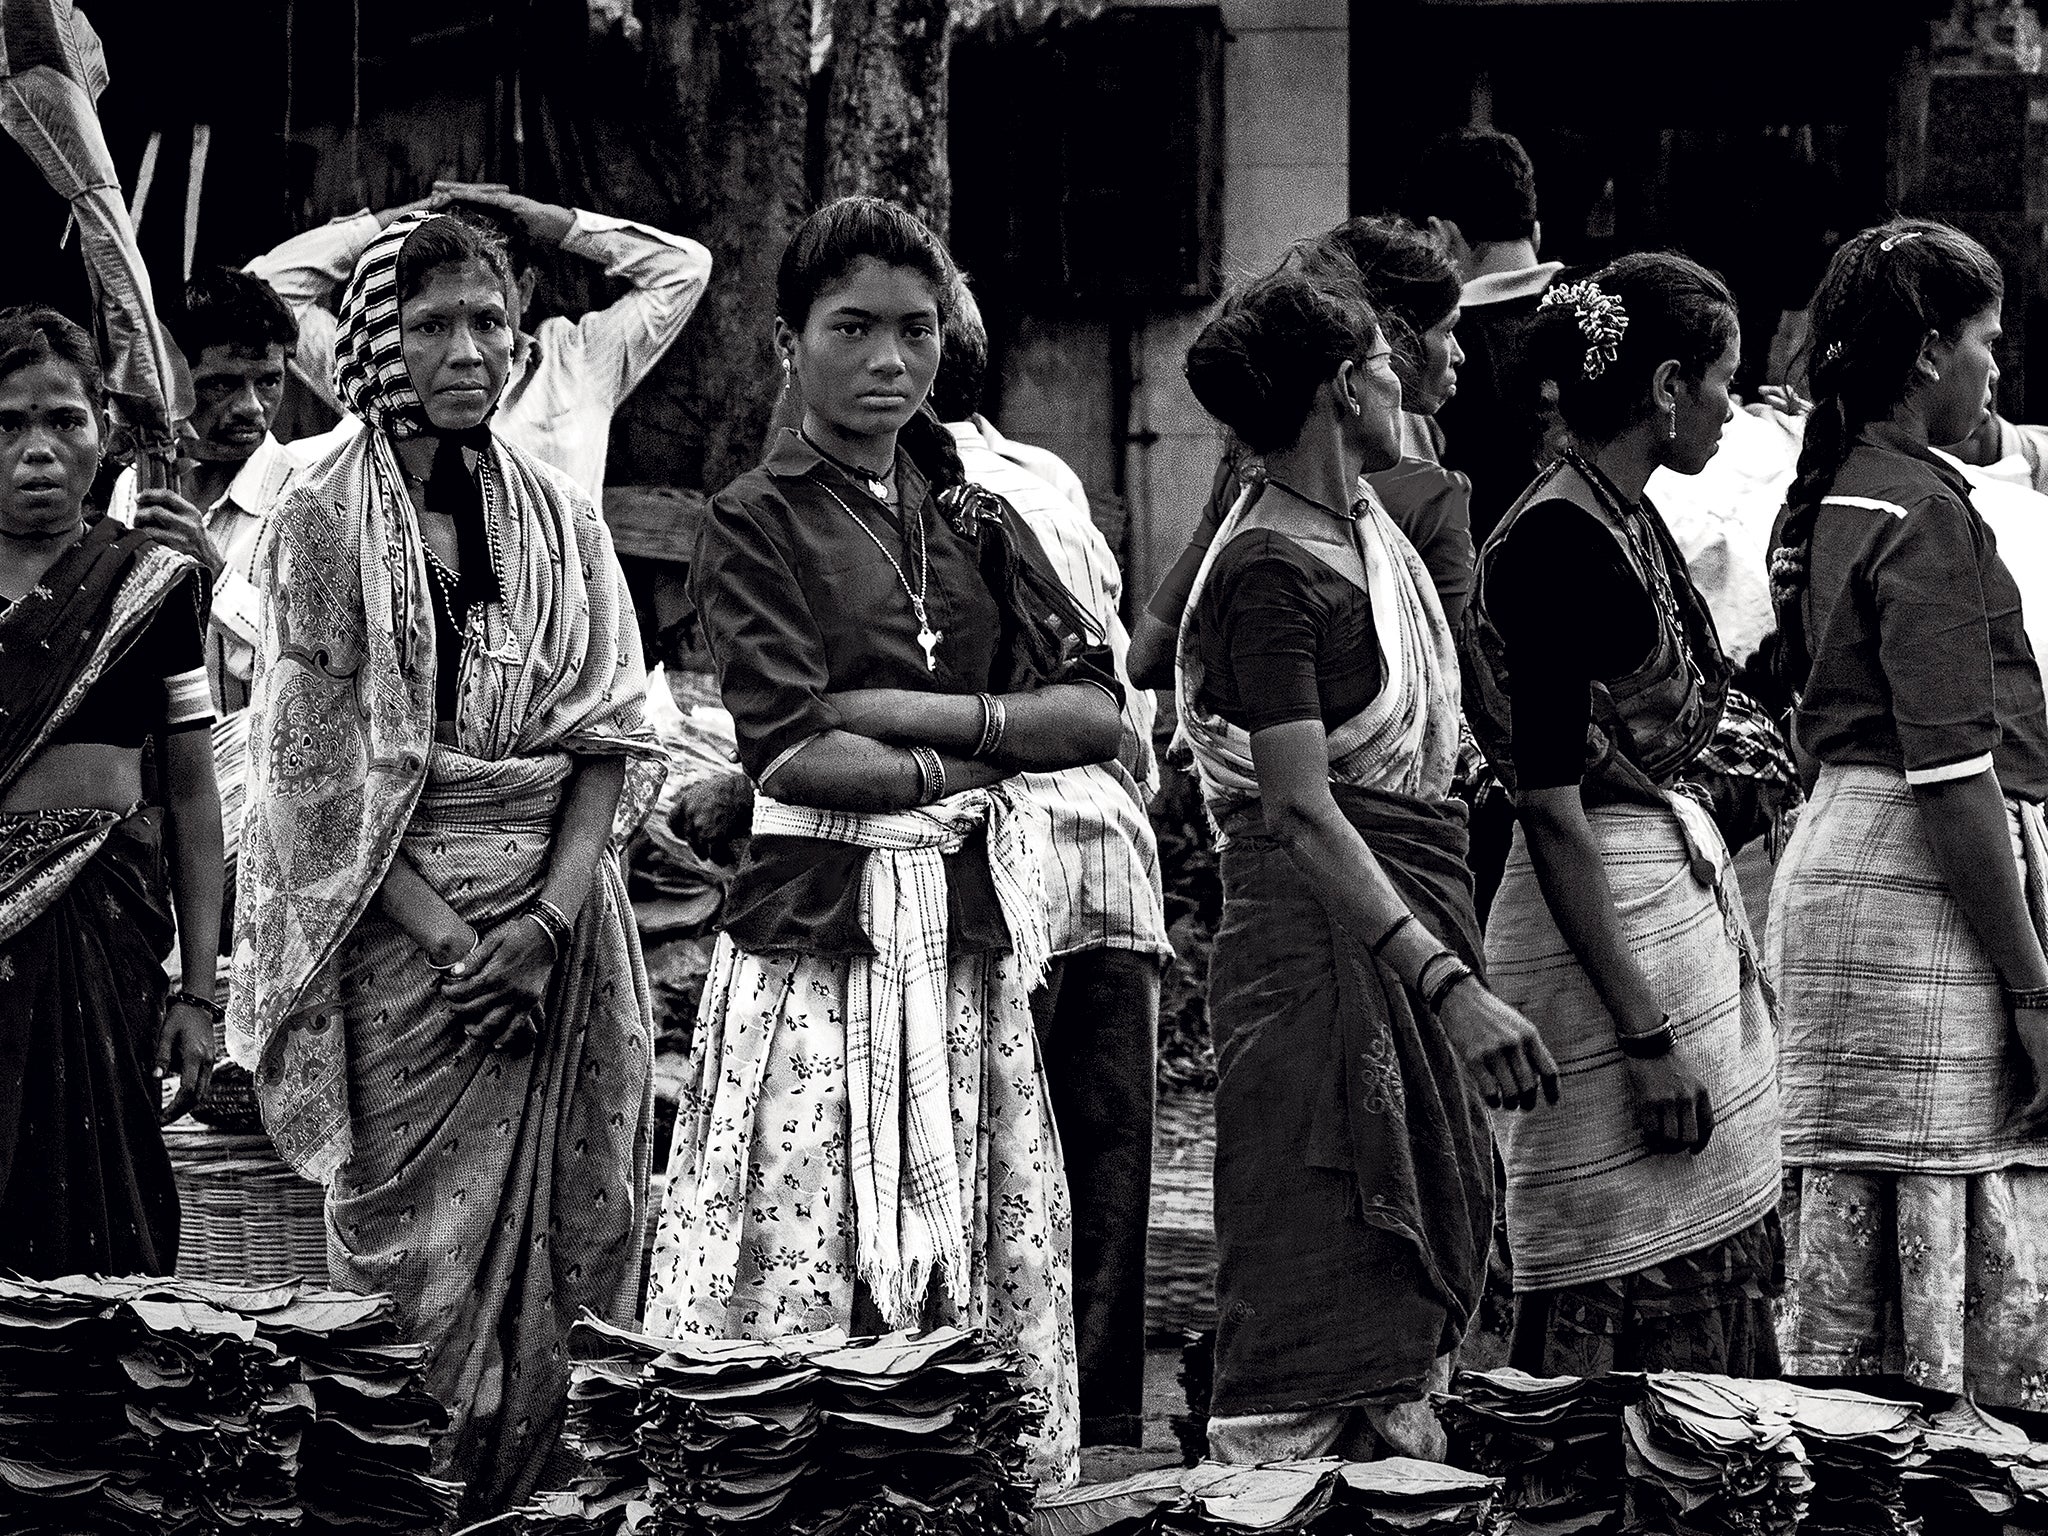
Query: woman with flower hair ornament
{"type": "Point", "coordinates": [1906, 917]}
{"type": "Point", "coordinates": [1643, 1222]}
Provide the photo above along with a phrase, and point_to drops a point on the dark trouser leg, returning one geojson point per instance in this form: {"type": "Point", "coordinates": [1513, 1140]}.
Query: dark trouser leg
{"type": "Point", "coordinates": [1098, 1032]}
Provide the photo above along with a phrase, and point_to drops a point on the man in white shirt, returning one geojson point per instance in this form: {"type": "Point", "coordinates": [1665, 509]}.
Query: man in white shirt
{"type": "Point", "coordinates": [568, 376]}
{"type": "Point", "coordinates": [1098, 1015]}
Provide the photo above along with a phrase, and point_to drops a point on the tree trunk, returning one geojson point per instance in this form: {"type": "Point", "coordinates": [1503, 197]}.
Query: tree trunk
{"type": "Point", "coordinates": [885, 120]}
{"type": "Point", "coordinates": [717, 136]}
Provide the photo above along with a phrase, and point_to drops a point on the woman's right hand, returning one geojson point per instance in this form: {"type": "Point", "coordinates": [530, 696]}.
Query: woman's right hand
{"type": "Point", "coordinates": [1502, 1050]}
{"type": "Point", "coordinates": [1674, 1111]}
{"type": "Point", "coordinates": [2032, 1027]}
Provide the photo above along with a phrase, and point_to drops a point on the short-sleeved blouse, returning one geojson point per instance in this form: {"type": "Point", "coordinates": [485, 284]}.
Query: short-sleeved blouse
{"type": "Point", "coordinates": [1283, 637]}
{"type": "Point", "coordinates": [1920, 659]}
{"type": "Point", "coordinates": [157, 686]}
{"type": "Point", "coordinates": [795, 587]}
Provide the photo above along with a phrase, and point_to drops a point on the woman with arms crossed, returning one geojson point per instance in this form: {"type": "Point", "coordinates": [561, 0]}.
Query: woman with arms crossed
{"type": "Point", "coordinates": [893, 650]}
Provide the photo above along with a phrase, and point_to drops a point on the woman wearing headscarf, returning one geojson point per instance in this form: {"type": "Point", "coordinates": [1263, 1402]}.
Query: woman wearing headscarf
{"type": "Point", "coordinates": [99, 653]}
{"type": "Point", "coordinates": [438, 985]}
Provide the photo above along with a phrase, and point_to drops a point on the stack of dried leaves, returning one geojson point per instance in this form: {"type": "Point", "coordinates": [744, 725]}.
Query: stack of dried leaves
{"type": "Point", "coordinates": [168, 1406]}
{"type": "Point", "coordinates": [811, 1435]}
{"type": "Point", "coordinates": [1327, 1497]}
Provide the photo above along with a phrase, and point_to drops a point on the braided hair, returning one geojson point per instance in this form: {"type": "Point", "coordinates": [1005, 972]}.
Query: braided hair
{"type": "Point", "coordinates": [1885, 289]}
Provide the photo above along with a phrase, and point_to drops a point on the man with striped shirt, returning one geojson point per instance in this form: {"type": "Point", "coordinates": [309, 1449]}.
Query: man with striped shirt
{"type": "Point", "coordinates": [1098, 1015]}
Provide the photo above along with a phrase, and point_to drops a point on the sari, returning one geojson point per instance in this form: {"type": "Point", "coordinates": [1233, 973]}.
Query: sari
{"type": "Point", "coordinates": [1354, 1180]}
{"type": "Point", "coordinates": [85, 925]}
{"type": "Point", "coordinates": [495, 1196]}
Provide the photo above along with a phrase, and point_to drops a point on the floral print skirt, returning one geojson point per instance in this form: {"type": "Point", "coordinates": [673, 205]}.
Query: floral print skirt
{"type": "Point", "coordinates": [1941, 1279]}
{"type": "Point", "coordinates": [757, 1237]}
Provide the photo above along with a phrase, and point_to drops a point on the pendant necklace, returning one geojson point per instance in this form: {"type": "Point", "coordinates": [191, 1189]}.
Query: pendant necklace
{"type": "Point", "coordinates": [927, 637]}
{"type": "Point", "coordinates": [866, 479]}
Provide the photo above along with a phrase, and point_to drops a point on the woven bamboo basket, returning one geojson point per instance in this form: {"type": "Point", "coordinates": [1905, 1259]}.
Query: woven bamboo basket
{"type": "Point", "coordinates": [1180, 1243]}
{"type": "Point", "coordinates": [247, 1218]}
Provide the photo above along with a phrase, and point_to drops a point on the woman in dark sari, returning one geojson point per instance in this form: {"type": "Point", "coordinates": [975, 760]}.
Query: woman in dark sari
{"type": "Point", "coordinates": [100, 635]}
{"type": "Point", "coordinates": [1319, 689]}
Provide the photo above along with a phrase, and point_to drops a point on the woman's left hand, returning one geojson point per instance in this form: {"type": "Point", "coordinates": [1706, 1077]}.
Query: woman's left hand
{"type": "Point", "coordinates": [184, 1046]}
{"type": "Point", "coordinates": [500, 983]}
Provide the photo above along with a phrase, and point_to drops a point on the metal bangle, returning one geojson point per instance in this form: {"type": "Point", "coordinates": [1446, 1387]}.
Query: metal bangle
{"type": "Point", "coordinates": [564, 929]}
{"type": "Point", "coordinates": [547, 932]}
{"type": "Point", "coordinates": [1001, 711]}
{"type": "Point", "coordinates": [1378, 945]}
{"type": "Point", "coordinates": [931, 770]}
{"type": "Point", "coordinates": [1440, 990]}
{"type": "Point", "coordinates": [205, 1005]}
{"type": "Point", "coordinates": [989, 734]}
{"type": "Point", "coordinates": [1649, 1044]}
{"type": "Point", "coordinates": [445, 969]}
{"type": "Point", "coordinates": [2026, 998]}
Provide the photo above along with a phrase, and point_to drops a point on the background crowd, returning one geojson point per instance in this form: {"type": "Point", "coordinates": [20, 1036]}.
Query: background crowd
{"type": "Point", "coordinates": [365, 713]}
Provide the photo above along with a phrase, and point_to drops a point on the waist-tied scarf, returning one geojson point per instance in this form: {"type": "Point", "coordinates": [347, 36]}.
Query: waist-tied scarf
{"type": "Point", "coordinates": [912, 1199]}
{"type": "Point", "coordinates": [1405, 741]}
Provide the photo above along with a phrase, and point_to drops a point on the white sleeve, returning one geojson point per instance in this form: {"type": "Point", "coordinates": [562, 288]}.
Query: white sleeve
{"type": "Point", "coordinates": [306, 270]}
{"type": "Point", "coordinates": [668, 274]}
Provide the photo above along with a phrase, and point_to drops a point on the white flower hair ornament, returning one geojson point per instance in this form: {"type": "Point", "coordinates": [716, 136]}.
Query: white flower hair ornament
{"type": "Point", "coordinates": [1601, 319]}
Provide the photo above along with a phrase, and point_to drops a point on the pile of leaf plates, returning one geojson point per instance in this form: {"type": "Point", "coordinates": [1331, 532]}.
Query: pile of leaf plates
{"type": "Point", "coordinates": [1859, 1449]}
{"type": "Point", "coordinates": [171, 1406]}
{"type": "Point", "coordinates": [1393, 1497]}
{"type": "Point", "coordinates": [812, 1434]}
{"type": "Point", "coordinates": [1702, 1461]}
{"type": "Point", "coordinates": [1554, 1440]}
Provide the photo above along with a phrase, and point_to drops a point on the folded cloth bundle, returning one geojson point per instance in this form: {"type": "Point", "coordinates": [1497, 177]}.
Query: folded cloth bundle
{"type": "Point", "coordinates": [1393, 1497]}
{"type": "Point", "coordinates": [1859, 1449]}
{"type": "Point", "coordinates": [1555, 1440]}
{"type": "Point", "coordinates": [152, 1405]}
{"type": "Point", "coordinates": [1702, 1461]}
{"type": "Point", "coordinates": [814, 1434]}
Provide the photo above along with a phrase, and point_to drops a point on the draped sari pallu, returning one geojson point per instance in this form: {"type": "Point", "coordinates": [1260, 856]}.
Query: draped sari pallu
{"type": "Point", "coordinates": [1354, 1178]}
{"type": "Point", "coordinates": [873, 1133]}
{"type": "Point", "coordinates": [85, 924]}
{"type": "Point", "coordinates": [494, 1195]}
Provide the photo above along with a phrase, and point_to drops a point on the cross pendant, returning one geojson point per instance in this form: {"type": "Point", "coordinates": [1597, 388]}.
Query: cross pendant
{"type": "Point", "coordinates": [929, 638]}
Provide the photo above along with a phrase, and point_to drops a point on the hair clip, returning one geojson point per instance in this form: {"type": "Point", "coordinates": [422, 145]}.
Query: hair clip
{"type": "Point", "coordinates": [1899, 239]}
{"type": "Point", "coordinates": [1601, 319]}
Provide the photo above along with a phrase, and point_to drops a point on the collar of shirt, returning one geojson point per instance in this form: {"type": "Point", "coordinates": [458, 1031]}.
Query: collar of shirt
{"type": "Point", "coordinates": [1882, 434]}
{"type": "Point", "coordinates": [790, 457]}
{"type": "Point", "coordinates": [1518, 283]}
{"type": "Point", "coordinates": [260, 478]}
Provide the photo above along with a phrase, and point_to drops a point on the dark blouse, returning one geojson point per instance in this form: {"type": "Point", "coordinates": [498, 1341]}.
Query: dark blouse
{"type": "Point", "coordinates": [1920, 659]}
{"type": "Point", "coordinates": [797, 600]}
{"type": "Point", "coordinates": [128, 703]}
{"type": "Point", "coordinates": [1428, 503]}
{"type": "Point", "coordinates": [1570, 612]}
{"type": "Point", "coordinates": [1284, 637]}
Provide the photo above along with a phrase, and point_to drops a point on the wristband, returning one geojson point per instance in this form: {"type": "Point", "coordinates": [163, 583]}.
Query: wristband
{"type": "Point", "coordinates": [2026, 998]}
{"type": "Point", "coordinates": [1386, 937]}
{"type": "Point", "coordinates": [205, 1005]}
{"type": "Point", "coordinates": [991, 725]}
{"type": "Point", "coordinates": [1440, 991]}
{"type": "Point", "coordinates": [1648, 1045]}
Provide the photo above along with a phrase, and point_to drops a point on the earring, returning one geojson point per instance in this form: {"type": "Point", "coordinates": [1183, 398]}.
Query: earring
{"type": "Point", "coordinates": [1671, 422]}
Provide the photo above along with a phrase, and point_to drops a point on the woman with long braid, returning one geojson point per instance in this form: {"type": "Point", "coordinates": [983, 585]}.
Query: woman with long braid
{"type": "Point", "coordinates": [1907, 954]}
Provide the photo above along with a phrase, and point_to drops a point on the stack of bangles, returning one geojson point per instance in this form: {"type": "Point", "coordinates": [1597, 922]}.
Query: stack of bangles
{"type": "Point", "coordinates": [2026, 999]}
{"type": "Point", "coordinates": [931, 768]}
{"type": "Point", "coordinates": [1437, 976]}
{"type": "Point", "coordinates": [553, 922]}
